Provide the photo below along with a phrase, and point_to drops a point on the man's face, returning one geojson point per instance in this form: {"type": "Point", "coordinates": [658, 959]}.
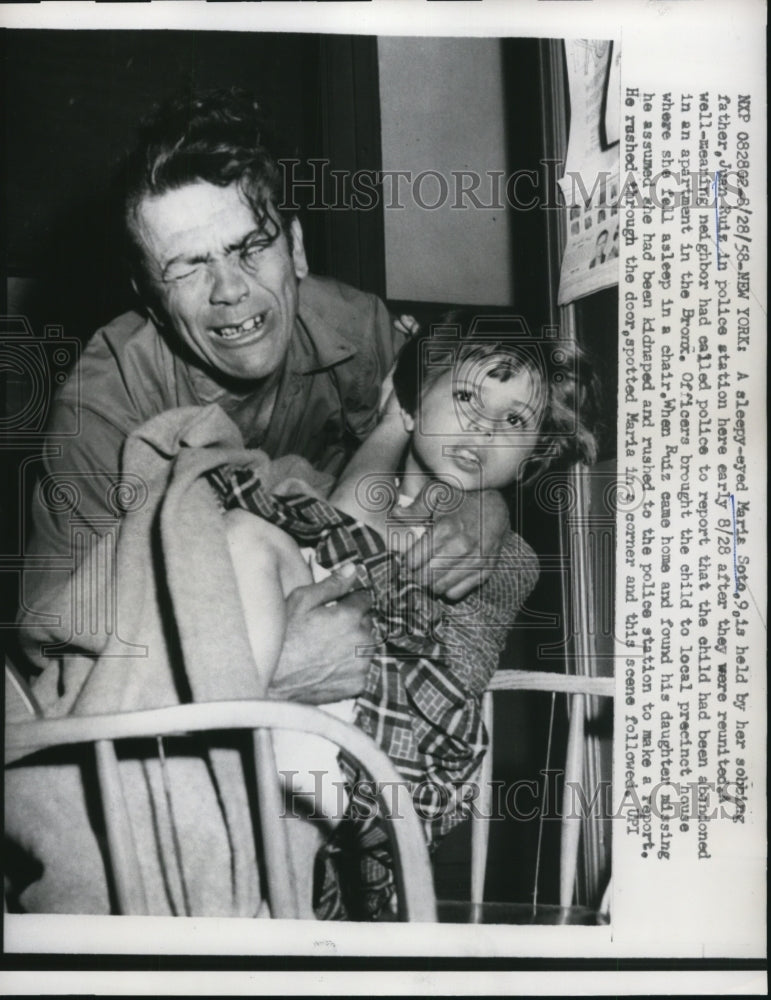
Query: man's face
{"type": "Point", "coordinates": [227, 292]}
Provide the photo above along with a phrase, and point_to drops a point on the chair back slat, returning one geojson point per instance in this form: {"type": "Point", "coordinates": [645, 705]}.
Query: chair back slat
{"type": "Point", "coordinates": [282, 892]}
{"type": "Point", "coordinates": [480, 830]}
{"type": "Point", "coordinates": [124, 862]}
{"type": "Point", "coordinates": [570, 833]}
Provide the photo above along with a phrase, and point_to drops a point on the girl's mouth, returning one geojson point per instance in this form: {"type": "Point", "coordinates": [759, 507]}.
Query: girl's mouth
{"type": "Point", "coordinates": [467, 459]}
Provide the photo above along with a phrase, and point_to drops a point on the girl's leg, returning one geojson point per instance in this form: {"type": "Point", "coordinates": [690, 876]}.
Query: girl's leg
{"type": "Point", "coordinates": [268, 565]}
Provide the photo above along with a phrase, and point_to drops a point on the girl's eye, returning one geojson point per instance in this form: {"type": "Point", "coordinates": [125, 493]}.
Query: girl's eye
{"type": "Point", "coordinates": [515, 420]}
{"type": "Point", "coordinates": [463, 395]}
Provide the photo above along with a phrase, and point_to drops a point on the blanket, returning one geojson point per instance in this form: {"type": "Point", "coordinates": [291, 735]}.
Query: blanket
{"type": "Point", "coordinates": [429, 663]}
{"type": "Point", "coordinates": [177, 634]}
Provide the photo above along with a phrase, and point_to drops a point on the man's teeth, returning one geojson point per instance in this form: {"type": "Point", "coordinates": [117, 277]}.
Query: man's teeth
{"type": "Point", "coordinates": [248, 326]}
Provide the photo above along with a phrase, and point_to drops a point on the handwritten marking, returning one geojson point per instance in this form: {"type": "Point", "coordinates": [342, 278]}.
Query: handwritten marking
{"type": "Point", "coordinates": [733, 515]}
{"type": "Point", "coordinates": [717, 217]}
{"type": "Point", "coordinates": [760, 613]}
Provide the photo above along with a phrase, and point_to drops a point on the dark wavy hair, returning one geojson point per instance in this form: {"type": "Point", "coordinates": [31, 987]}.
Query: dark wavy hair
{"type": "Point", "coordinates": [568, 427]}
{"type": "Point", "coordinates": [217, 136]}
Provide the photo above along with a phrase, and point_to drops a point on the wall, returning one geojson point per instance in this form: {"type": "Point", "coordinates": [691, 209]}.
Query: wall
{"type": "Point", "coordinates": [442, 109]}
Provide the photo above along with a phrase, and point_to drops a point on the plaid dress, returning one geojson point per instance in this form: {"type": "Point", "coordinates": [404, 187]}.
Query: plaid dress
{"type": "Point", "coordinates": [430, 664]}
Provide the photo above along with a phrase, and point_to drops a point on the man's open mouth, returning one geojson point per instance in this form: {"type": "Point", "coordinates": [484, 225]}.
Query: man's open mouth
{"type": "Point", "coordinates": [251, 326]}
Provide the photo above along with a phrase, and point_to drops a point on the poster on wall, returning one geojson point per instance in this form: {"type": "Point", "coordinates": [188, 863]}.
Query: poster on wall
{"type": "Point", "coordinates": [590, 260]}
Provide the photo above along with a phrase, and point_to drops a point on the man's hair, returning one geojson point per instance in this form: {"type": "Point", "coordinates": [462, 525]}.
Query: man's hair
{"type": "Point", "coordinates": [568, 418]}
{"type": "Point", "coordinates": [217, 136]}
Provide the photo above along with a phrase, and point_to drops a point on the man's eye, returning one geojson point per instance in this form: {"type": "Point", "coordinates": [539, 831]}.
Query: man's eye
{"type": "Point", "coordinates": [181, 274]}
{"type": "Point", "coordinates": [253, 250]}
{"type": "Point", "coordinates": [463, 395]}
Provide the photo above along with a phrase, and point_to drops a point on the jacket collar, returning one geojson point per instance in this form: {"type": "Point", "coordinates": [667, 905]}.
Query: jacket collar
{"type": "Point", "coordinates": [321, 342]}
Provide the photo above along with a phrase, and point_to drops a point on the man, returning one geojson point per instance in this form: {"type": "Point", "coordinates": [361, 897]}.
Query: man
{"type": "Point", "coordinates": [230, 316]}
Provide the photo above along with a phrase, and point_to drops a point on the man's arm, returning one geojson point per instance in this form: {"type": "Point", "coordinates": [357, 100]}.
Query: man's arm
{"type": "Point", "coordinates": [460, 538]}
{"type": "Point", "coordinates": [73, 504]}
{"type": "Point", "coordinates": [77, 482]}
{"type": "Point", "coordinates": [464, 543]}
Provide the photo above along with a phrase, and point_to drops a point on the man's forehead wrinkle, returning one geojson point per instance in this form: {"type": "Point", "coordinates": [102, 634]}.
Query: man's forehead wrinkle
{"type": "Point", "coordinates": [194, 255]}
{"type": "Point", "coordinates": [186, 214]}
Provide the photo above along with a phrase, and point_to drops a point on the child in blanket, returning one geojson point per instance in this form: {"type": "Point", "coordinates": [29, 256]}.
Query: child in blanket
{"type": "Point", "coordinates": [478, 405]}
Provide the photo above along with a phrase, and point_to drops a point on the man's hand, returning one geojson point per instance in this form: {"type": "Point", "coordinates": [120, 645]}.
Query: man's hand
{"type": "Point", "coordinates": [318, 661]}
{"type": "Point", "coordinates": [459, 538]}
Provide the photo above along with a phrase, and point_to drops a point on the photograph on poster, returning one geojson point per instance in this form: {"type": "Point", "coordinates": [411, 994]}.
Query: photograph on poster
{"type": "Point", "coordinates": [382, 489]}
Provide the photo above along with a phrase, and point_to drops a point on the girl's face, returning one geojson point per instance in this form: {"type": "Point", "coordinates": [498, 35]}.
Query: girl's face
{"type": "Point", "coordinates": [476, 428]}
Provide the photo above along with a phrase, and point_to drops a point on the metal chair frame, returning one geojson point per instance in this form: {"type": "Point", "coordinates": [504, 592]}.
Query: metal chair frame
{"type": "Point", "coordinates": [578, 689]}
{"type": "Point", "coordinates": [412, 866]}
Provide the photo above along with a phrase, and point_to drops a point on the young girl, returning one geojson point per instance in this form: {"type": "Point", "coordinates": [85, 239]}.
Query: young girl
{"type": "Point", "coordinates": [474, 407]}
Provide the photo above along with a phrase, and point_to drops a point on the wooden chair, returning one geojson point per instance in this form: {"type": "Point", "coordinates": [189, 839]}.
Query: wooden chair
{"type": "Point", "coordinates": [284, 896]}
{"type": "Point", "coordinates": [578, 690]}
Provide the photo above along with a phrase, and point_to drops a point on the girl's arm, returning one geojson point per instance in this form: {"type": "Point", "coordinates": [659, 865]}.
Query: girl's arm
{"type": "Point", "coordinates": [377, 459]}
